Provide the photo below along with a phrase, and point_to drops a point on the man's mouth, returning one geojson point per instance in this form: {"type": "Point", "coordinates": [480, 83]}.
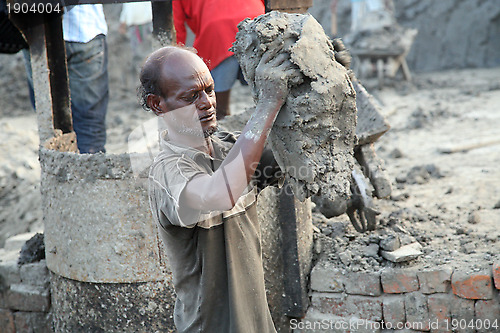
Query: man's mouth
{"type": "Point", "coordinates": [209, 116]}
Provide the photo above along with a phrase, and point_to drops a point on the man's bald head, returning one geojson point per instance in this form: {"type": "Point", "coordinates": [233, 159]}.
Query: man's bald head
{"type": "Point", "coordinates": [160, 61]}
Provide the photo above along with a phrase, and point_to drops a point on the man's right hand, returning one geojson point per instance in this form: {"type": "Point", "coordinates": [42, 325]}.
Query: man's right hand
{"type": "Point", "coordinates": [272, 76]}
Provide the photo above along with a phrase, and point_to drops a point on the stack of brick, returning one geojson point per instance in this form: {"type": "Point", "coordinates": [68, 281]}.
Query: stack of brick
{"type": "Point", "coordinates": [24, 292]}
{"type": "Point", "coordinates": [441, 299]}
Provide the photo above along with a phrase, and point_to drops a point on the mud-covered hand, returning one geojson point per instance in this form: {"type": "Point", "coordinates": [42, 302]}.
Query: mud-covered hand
{"type": "Point", "coordinates": [342, 55]}
{"type": "Point", "coordinates": [272, 77]}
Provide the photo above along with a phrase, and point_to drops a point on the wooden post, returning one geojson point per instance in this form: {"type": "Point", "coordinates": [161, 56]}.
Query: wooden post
{"type": "Point", "coordinates": [295, 300]}
{"type": "Point", "coordinates": [43, 33]}
{"type": "Point", "coordinates": [289, 6]}
{"type": "Point", "coordinates": [58, 75]}
{"type": "Point", "coordinates": [163, 23]}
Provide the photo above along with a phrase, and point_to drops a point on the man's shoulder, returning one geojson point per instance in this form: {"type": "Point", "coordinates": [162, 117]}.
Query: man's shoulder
{"type": "Point", "coordinates": [226, 136]}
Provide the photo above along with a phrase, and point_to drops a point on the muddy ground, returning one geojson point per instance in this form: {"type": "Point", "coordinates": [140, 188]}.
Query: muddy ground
{"type": "Point", "coordinates": [448, 202]}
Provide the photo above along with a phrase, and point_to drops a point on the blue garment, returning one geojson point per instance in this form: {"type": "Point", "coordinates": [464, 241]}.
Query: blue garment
{"type": "Point", "coordinates": [88, 83]}
{"type": "Point", "coordinates": [226, 73]}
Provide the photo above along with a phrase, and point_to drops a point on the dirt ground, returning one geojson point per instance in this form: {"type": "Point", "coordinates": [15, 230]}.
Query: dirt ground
{"type": "Point", "coordinates": [442, 156]}
{"type": "Point", "coordinates": [448, 202]}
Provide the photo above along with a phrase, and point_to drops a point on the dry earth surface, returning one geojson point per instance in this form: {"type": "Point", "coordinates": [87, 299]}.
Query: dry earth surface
{"type": "Point", "coordinates": [448, 202]}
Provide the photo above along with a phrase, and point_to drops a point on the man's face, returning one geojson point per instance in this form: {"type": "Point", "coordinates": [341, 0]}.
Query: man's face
{"type": "Point", "coordinates": [189, 102]}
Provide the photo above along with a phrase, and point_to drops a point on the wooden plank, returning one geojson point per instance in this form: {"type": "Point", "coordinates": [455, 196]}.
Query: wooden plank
{"type": "Point", "coordinates": [293, 305]}
{"type": "Point", "coordinates": [163, 23]}
{"type": "Point", "coordinates": [58, 74]}
{"type": "Point", "coordinates": [41, 82]}
{"type": "Point", "coordinates": [74, 2]}
{"type": "Point", "coordinates": [292, 10]}
{"type": "Point", "coordinates": [377, 53]}
{"type": "Point", "coordinates": [290, 3]}
{"type": "Point", "coordinates": [290, 6]}
{"type": "Point", "coordinates": [469, 146]}
{"type": "Point", "coordinates": [371, 124]}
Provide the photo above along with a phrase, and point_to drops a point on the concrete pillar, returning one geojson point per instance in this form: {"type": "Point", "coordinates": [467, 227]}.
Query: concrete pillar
{"type": "Point", "coordinates": [109, 272]}
{"type": "Point", "coordinates": [287, 254]}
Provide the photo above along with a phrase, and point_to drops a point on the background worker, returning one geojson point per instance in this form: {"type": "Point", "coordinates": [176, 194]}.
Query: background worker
{"type": "Point", "coordinates": [84, 32]}
{"type": "Point", "coordinates": [214, 23]}
{"type": "Point", "coordinates": [136, 23]}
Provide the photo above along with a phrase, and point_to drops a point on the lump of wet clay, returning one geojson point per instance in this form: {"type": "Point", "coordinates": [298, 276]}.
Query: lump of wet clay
{"type": "Point", "coordinates": [315, 132]}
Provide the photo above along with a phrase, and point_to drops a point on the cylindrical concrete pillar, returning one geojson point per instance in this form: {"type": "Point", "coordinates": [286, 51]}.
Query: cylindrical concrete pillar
{"type": "Point", "coordinates": [109, 273]}
{"type": "Point", "coordinates": [287, 246]}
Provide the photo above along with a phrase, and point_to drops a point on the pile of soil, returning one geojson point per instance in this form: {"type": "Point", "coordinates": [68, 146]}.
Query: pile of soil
{"type": "Point", "coordinates": [441, 155]}
{"type": "Point", "coordinates": [313, 136]}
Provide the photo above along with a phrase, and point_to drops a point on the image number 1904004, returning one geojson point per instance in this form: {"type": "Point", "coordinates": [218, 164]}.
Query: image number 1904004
{"type": "Point", "coordinates": [34, 7]}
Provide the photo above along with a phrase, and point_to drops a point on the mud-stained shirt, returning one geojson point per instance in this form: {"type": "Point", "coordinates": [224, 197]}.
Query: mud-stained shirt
{"type": "Point", "coordinates": [215, 257]}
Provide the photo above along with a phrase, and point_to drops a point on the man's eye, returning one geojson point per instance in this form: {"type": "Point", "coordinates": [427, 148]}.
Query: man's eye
{"type": "Point", "coordinates": [209, 90]}
{"type": "Point", "coordinates": [192, 97]}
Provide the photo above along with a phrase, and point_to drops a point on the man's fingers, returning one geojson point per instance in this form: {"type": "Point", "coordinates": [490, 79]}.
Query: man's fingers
{"type": "Point", "coordinates": [281, 59]}
{"type": "Point", "coordinates": [293, 75]}
{"type": "Point", "coordinates": [286, 64]}
{"type": "Point", "coordinates": [270, 54]}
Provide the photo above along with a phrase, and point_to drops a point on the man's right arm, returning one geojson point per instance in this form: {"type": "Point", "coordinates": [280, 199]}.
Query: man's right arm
{"type": "Point", "coordinates": [179, 22]}
{"type": "Point", "coordinates": [221, 190]}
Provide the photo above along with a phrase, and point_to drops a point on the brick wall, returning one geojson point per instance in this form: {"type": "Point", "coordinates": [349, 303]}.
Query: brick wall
{"type": "Point", "coordinates": [24, 295]}
{"type": "Point", "coordinates": [430, 300]}
{"type": "Point", "coordinates": [403, 299]}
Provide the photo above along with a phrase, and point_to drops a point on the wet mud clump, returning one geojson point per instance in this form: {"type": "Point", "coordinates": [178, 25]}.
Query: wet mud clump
{"type": "Point", "coordinates": [314, 134]}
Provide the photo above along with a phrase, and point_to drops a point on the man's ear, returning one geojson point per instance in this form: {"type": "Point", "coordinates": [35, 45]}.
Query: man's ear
{"type": "Point", "coordinates": [154, 102]}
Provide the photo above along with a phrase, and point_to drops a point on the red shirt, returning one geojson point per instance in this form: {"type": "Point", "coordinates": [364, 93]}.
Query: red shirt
{"type": "Point", "coordinates": [214, 23]}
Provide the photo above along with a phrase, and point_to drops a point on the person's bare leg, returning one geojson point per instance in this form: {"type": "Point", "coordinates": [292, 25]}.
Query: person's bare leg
{"type": "Point", "coordinates": [223, 98]}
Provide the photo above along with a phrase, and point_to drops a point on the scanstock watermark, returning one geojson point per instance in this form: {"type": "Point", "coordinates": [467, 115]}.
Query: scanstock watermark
{"type": "Point", "coordinates": [356, 325]}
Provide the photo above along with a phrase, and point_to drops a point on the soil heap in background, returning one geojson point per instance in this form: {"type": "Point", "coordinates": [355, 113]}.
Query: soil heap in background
{"type": "Point", "coordinates": [379, 33]}
{"type": "Point", "coordinates": [314, 134]}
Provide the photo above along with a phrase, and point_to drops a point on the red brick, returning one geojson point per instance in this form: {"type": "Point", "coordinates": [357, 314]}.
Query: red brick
{"type": "Point", "coordinates": [472, 285]}
{"type": "Point", "coordinates": [463, 310]}
{"type": "Point", "coordinates": [363, 283]}
{"type": "Point", "coordinates": [364, 307]}
{"type": "Point", "coordinates": [399, 281]}
{"type": "Point", "coordinates": [435, 281]}
{"type": "Point", "coordinates": [487, 310]}
{"type": "Point", "coordinates": [27, 322]}
{"type": "Point", "coordinates": [315, 321]}
{"type": "Point", "coordinates": [496, 274]}
{"type": "Point", "coordinates": [6, 321]}
{"type": "Point", "coordinates": [28, 298]}
{"type": "Point", "coordinates": [440, 312]}
{"type": "Point", "coordinates": [393, 310]}
{"type": "Point", "coordinates": [325, 277]}
{"type": "Point", "coordinates": [417, 311]}
{"type": "Point", "coordinates": [329, 303]}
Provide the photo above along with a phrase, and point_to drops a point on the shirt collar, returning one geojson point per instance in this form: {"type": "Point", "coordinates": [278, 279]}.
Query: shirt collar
{"type": "Point", "coordinates": [220, 147]}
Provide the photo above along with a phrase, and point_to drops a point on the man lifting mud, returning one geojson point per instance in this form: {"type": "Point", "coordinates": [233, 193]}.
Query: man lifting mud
{"type": "Point", "coordinates": [202, 194]}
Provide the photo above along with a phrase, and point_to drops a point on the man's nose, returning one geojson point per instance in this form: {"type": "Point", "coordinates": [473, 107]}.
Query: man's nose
{"type": "Point", "coordinates": [205, 101]}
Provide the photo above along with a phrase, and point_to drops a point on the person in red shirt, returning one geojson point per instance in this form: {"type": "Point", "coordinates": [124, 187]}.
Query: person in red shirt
{"type": "Point", "coordinates": [215, 23]}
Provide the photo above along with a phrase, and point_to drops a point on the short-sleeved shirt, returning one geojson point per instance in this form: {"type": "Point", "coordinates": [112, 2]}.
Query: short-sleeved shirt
{"type": "Point", "coordinates": [215, 257]}
{"type": "Point", "coordinates": [214, 23]}
{"type": "Point", "coordinates": [83, 22]}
